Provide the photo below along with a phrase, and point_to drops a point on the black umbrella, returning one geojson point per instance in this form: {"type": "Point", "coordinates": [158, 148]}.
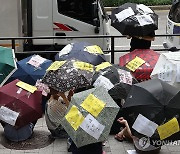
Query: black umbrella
{"type": "Point", "coordinates": [154, 99]}
{"type": "Point", "coordinates": [134, 19]}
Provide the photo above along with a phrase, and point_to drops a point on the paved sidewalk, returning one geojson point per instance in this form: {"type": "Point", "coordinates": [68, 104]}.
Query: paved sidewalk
{"type": "Point", "coordinates": [59, 146]}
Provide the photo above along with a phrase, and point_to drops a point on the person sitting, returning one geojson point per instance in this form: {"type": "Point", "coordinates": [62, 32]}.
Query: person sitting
{"type": "Point", "coordinates": [125, 133]}
{"type": "Point", "coordinates": [18, 134]}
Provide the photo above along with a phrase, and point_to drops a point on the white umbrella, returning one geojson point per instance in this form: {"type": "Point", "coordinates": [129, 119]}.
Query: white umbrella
{"type": "Point", "coordinates": [167, 68]}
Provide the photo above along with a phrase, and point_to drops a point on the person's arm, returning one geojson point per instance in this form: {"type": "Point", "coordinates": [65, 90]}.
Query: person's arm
{"type": "Point", "coordinates": [148, 38]}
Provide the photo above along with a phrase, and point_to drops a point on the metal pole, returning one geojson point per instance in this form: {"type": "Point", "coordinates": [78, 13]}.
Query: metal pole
{"type": "Point", "coordinates": [112, 49]}
{"type": "Point", "coordinates": [13, 44]}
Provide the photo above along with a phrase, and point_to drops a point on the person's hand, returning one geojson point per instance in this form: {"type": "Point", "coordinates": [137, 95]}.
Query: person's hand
{"type": "Point", "coordinates": [122, 120]}
{"type": "Point", "coordinates": [128, 37]}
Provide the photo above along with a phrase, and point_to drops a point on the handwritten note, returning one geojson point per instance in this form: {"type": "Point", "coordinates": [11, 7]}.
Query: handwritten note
{"type": "Point", "coordinates": [144, 19]}
{"type": "Point", "coordinates": [104, 82]}
{"type": "Point", "coordinates": [7, 115]}
{"type": "Point", "coordinates": [74, 117]}
{"type": "Point", "coordinates": [103, 66]}
{"type": "Point", "coordinates": [94, 49]}
{"type": "Point", "coordinates": [124, 14]}
{"type": "Point", "coordinates": [54, 66]}
{"type": "Point", "coordinates": [36, 60]}
{"type": "Point", "coordinates": [83, 66]}
{"type": "Point", "coordinates": [135, 63]}
{"type": "Point", "coordinates": [125, 77]}
{"type": "Point", "coordinates": [93, 105]}
{"type": "Point", "coordinates": [26, 86]}
{"type": "Point", "coordinates": [165, 72]}
{"type": "Point", "coordinates": [169, 128]}
{"type": "Point", "coordinates": [92, 126]}
{"type": "Point", "coordinates": [144, 125]}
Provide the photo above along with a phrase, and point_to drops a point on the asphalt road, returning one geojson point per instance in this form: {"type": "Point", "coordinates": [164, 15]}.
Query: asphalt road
{"type": "Point", "coordinates": [123, 43]}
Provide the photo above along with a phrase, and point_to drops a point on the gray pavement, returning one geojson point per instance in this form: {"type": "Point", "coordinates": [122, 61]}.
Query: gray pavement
{"type": "Point", "coordinates": [59, 146]}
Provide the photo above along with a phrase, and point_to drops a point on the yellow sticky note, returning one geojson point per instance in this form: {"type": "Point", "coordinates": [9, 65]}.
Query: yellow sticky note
{"type": "Point", "coordinates": [54, 66]}
{"type": "Point", "coordinates": [83, 66]}
{"type": "Point", "coordinates": [93, 105]}
{"type": "Point", "coordinates": [94, 49]}
{"type": "Point", "coordinates": [103, 66]}
{"type": "Point", "coordinates": [135, 63]}
{"type": "Point", "coordinates": [74, 117]}
{"type": "Point", "coordinates": [26, 86]}
{"type": "Point", "coordinates": [169, 128]}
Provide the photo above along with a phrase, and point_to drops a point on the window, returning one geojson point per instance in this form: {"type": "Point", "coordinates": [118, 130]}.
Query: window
{"type": "Point", "coordinates": [77, 9]}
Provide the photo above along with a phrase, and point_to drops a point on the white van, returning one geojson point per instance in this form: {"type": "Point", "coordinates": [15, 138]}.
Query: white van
{"type": "Point", "coordinates": [33, 18]}
{"type": "Point", "coordinates": [173, 27]}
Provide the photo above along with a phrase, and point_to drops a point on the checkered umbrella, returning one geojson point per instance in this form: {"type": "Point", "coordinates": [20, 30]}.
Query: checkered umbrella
{"type": "Point", "coordinates": [140, 62]}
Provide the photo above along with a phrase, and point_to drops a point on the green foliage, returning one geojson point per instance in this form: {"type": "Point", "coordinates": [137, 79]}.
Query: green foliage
{"type": "Point", "coordinates": [146, 2]}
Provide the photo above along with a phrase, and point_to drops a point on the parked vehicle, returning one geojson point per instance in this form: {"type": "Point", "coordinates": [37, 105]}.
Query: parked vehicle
{"type": "Point", "coordinates": [53, 18]}
{"type": "Point", "coordinates": [173, 27]}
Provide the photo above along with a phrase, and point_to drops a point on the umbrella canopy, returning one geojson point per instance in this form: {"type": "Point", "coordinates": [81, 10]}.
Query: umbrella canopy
{"type": "Point", "coordinates": [90, 116]}
{"type": "Point", "coordinates": [31, 69]}
{"type": "Point", "coordinates": [134, 19]}
{"type": "Point", "coordinates": [114, 79]}
{"type": "Point", "coordinates": [82, 51]}
{"type": "Point", "coordinates": [20, 103]}
{"type": "Point", "coordinates": [140, 62]}
{"type": "Point", "coordinates": [7, 64]}
{"type": "Point", "coordinates": [167, 68]}
{"type": "Point", "coordinates": [158, 104]}
{"type": "Point", "coordinates": [65, 75]}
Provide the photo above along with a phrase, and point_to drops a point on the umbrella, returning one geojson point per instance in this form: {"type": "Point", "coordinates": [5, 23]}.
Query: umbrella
{"type": "Point", "coordinates": [167, 68]}
{"type": "Point", "coordinates": [140, 62]}
{"type": "Point", "coordinates": [20, 103]}
{"type": "Point", "coordinates": [90, 116]}
{"type": "Point", "coordinates": [30, 69]}
{"type": "Point", "coordinates": [134, 19]}
{"type": "Point", "coordinates": [159, 104]}
{"type": "Point", "coordinates": [7, 64]}
{"type": "Point", "coordinates": [114, 79]}
{"type": "Point", "coordinates": [65, 75]}
{"type": "Point", "coordinates": [82, 51]}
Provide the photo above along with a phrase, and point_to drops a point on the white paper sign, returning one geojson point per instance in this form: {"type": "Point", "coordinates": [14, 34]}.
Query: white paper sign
{"type": "Point", "coordinates": [92, 126]}
{"type": "Point", "coordinates": [132, 152]}
{"type": "Point", "coordinates": [66, 50]}
{"type": "Point", "coordinates": [125, 77]}
{"type": "Point", "coordinates": [165, 72]}
{"type": "Point", "coordinates": [144, 126]}
{"type": "Point", "coordinates": [7, 115]}
{"type": "Point", "coordinates": [36, 61]}
{"type": "Point", "coordinates": [143, 9]}
{"type": "Point", "coordinates": [104, 82]}
{"type": "Point", "coordinates": [124, 14]}
{"type": "Point", "coordinates": [144, 19]}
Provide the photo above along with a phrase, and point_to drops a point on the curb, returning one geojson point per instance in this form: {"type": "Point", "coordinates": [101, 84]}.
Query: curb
{"type": "Point", "coordinates": [157, 7]}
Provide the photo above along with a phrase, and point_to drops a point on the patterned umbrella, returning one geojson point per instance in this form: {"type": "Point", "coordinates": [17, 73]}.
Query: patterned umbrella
{"type": "Point", "coordinates": [65, 75]}
{"type": "Point", "coordinates": [7, 64]}
{"type": "Point", "coordinates": [90, 116]}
